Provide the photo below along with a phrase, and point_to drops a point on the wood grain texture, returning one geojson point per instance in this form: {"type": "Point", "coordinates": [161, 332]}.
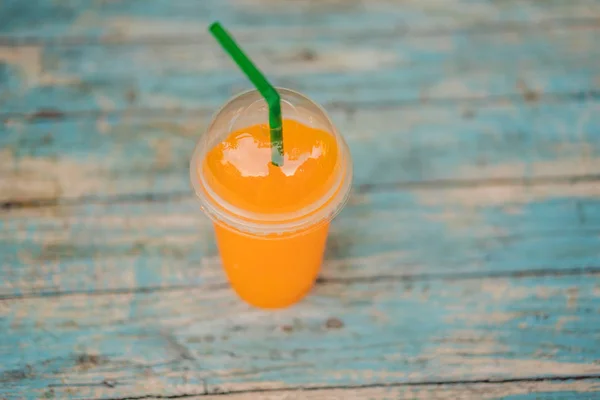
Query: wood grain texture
{"type": "Point", "coordinates": [512, 391]}
{"type": "Point", "coordinates": [199, 340]}
{"type": "Point", "coordinates": [522, 390]}
{"type": "Point", "coordinates": [126, 20]}
{"type": "Point", "coordinates": [487, 230]}
{"type": "Point", "coordinates": [330, 67]}
{"type": "Point", "coordinates": [115, 156]}
{"type": "Point", "coordinates": [467, 264]}
{"type": "Point", "coordinates": [427, 97]}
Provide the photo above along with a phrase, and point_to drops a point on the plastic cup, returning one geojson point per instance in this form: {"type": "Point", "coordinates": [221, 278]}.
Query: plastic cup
{"type": "Point", "coordinates": [271, 243]}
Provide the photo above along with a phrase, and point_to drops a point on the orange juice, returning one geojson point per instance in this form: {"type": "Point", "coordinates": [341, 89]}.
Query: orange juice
{"type": "Point", "coordinates": [271, 222]}
{"type": "Point", "coordinates": [272, 272]}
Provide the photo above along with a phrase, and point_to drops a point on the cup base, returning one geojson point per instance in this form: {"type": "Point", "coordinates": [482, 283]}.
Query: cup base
{"type": "Point", "coordinates": [273, 305]}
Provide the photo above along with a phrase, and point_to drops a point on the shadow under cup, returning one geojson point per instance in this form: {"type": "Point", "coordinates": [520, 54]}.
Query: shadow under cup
{"type": "Point", "coordinates": [271, 259]}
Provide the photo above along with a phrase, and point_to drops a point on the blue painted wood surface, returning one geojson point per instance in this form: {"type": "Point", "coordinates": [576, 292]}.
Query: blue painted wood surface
{"type": "Point", "coordinates": [115, 21]}
{"type": "Point", "coordinates": [70, 158]}
{"type": "Point", "coordinates": [331, 67]}
{"type": "Point", "coordinates": [480, 231]}
{"type": "Point", "coordinates": [466, 264]}
{"type": "Point", "coordinates": [348, 333]}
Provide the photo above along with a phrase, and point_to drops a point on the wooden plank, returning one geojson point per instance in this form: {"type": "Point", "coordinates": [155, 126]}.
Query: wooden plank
{"type": "Point", "coordinates": [172, 341]}
{"type": "Point", "coordinates": [116, 155]}
{"type": "Point", "coordinates": [418, 233]}
{"type": "Point", "coordinates": [331, 68]}
{"type": "Point", "coordinates": [109, 21]}
{"type": "Point", "coordinates": [199, 340]}
{"type": "Point", "coordinates": [514, 391]}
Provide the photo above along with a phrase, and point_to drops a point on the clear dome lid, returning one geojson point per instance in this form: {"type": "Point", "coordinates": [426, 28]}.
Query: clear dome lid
{"type": "Point", "coordinates": [237, 183]}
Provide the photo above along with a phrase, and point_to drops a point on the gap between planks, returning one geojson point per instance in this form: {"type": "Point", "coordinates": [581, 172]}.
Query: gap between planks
{"type": "Point", "coordinates": [485, 382]}
{"type": "Point", "coordinates": [43, 115]}
{"type": "Point", "coordinates": [592, 271]}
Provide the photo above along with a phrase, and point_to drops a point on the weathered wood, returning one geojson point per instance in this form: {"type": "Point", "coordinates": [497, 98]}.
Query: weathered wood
{"type": "Point", "coordinates": [584, 389]}
{"type": "Point", "coordinates": [116, 21]}
{"type": "Point", "coordinates": [111, 156]}
{"type": "Point", "coordinates": [200, 340]}
{"type": "Point", "coordinates": [488, 230]}
{"type": "Point", "coordinates": [468, 254]}
{"type": "Point", "coordinates": [330, 68]}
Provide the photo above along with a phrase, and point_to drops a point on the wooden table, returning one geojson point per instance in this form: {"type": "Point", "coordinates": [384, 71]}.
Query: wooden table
{"type": "Point", "coordinates": [466, 265]}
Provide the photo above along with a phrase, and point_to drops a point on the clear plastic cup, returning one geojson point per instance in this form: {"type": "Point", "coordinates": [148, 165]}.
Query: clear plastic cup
{"type": "Point", "coordinates": [271, 224]}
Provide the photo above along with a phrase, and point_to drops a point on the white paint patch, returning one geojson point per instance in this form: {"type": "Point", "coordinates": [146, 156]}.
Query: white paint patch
{"type": "Point", "coordinates": [128, 28]}
{"type": "Point", "coordinates": [495, 367]}
{"type": "Point", "coordinates": [105, 103]}
{"type": "Point", "coordinates": [353, 60]}
{"type": "Point", "coordinates": [162, 153]}
{"type": "Point", "coordinates": [572, 298]}
{"type": "Point", "coordinates": [29, 178]}
{"type": "Point", "coordinates": [512, 196]}
{"type": "Point", "coordinates": [488, 391]}
{"type": "Point", "coordinates": [28, 61]}
{"type": "Point", "coordinates": [157, 100]}
{"type": "Point", "coordinates": [103, 126]}
{"type": "Point", "coordinates": [560, 167]}
{"type": "Point", "coordinates": [361, 266]}
{"type": "Point", "coordinates": [455, 87]}
{"type": "Point", "coordinates": [298, 5]}
{"type": "Point", "coordinates": [504, 290]}
{"type": "Point", "coordinates": [545, 292]}
{"type": "Point", "coordinates": [478, 318]}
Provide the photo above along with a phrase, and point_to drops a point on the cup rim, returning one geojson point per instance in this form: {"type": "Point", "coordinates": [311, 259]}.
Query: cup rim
{"type": "Point", "coordinates": [325, 208]}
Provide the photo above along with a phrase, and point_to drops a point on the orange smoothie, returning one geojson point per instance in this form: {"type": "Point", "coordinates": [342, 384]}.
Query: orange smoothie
{"type": "Point", "coordinates": [278, 269]}
{"type": "Point", "coordinates": [271, 222]}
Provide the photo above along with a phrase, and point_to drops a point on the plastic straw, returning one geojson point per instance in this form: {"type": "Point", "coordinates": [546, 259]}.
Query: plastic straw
{"type": "Point", "coordinates": [262, 85]}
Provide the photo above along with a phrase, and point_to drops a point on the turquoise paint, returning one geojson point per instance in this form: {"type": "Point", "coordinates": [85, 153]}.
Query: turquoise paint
{"type": "Point", "coordinates": [189, 76]}
{"type": "Point", "coordinates": [425, 143]}
{"type": "Point", "coordinates": [403, 332]}
{"type": "Point", "coordinates": [102, 242]}
{"type": "Point", "coordinates": [431, 282]}
{"type": "Point", "coordinates": [43, 20]}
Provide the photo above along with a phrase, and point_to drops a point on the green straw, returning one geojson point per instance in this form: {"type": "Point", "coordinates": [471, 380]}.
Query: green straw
{"type": "Point", "coordinates": [262, 85]}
